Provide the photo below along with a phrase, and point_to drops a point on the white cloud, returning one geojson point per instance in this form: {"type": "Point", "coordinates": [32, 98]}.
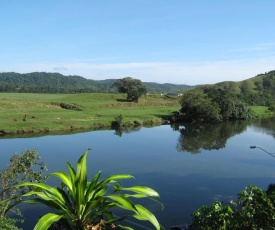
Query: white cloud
{"type": "Point", "coordinates": [190, 73]}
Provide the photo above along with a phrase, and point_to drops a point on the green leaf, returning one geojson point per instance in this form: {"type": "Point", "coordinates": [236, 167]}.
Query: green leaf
{"type": "Point", "coordinates": [144, 213]}
{"type": "Point", "coordinates": [91, 188]}
{"type": "Point", "coordinates": [67, 201]}
{"type": "Point", "coordinates": [72, 177]}
{"type": "Point", "coordinates": [46, 221]}
{"type": "Point", "coordinates": [125, 227]}
{"type": "Point", "coordinates": [65, 178]}
{"type": "Point", "coordinates": [123, 201]}
{"type": "Point", "coordinates": [50, 203]}
{"type": "Point", "coordinates": [72, 172]}
{"type": "Point", "coordinates": [51, 192]}
{"type": "Point", "coordinates": [81, 168]}
{"type": "Point", "coordinates": [142, 189]}
{"type": "Point", "coordinates": [143, 196]}
{"type": "Point", "coordinates": [100, 192]}
{"type": "Point", "coordinates": [117, 177]}
{"type": "Point", "coordinates": [91, 205]}
{"type": "Point", "coordinates": [37, 193]}
{"type": "Point", "coordinates": [229, 209]}
{"type": "Point", "coordinates": [81, 184]}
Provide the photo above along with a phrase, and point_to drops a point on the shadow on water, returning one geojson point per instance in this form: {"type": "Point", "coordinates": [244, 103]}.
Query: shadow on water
{"type": "Point", "coordinates": [195, 137]}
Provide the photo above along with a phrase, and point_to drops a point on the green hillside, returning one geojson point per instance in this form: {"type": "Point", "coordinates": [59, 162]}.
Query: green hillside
{"type": "Point", "coordinates": [259, 90]}
{"type": "Point", "coordinates": [41, 82]}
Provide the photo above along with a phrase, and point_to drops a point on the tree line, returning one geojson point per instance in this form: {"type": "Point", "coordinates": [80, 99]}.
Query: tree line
{"type": "Point", "coordinates": [42, 82]}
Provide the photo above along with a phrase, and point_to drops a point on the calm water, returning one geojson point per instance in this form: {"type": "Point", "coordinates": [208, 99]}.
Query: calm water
{"type": "Point", "coordinates": [189, 165]}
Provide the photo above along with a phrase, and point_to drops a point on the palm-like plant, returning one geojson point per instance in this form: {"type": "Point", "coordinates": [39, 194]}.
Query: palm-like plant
{"type": "Point", "coordinates": [80, 204]}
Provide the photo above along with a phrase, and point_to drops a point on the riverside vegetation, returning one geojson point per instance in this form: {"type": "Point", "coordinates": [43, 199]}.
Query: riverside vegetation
{"type": "Point", "coordinates": [37, 113]}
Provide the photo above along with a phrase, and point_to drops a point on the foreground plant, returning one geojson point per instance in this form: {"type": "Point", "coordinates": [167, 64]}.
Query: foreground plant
{"type": "Point", "coordinates": [80, 204]}
{"type": "Point", "coordinates": [255, 209]}
{"type": "Point", "coordinates": [24, 167]}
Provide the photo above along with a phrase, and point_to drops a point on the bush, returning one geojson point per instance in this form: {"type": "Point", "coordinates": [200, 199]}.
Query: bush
{"type": "Point", "coordinates": [8, 223]}
{"type": "Point", "coordinates": [271, 108]}
{"type": "Point", "coordinates": [255, 209]}
{"type": "Point", "coordinates": [117, 123]}
{"type": "Point", "coordinates": [68, 106]}
{"type": "Point", "coordinates": [24, 167]}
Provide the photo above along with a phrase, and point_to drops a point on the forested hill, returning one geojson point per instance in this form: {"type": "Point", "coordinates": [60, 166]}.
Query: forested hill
{"type": "Point", "coordinates": [42, 82]}
{"type": "Point", "coordinates": [259, 90]}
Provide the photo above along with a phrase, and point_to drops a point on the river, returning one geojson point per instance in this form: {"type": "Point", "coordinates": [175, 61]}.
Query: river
{"type": "Point", "coordinates": [189, 165]}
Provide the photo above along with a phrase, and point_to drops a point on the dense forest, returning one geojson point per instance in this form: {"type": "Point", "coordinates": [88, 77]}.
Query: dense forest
{"type": "Point", "coordinates": [42, 82]}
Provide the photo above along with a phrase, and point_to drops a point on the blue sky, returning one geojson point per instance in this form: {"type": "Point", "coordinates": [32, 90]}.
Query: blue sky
{"type": "Point", "coordinates": [176, 41]}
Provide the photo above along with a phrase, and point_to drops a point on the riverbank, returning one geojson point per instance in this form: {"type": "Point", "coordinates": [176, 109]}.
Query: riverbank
{"type": "Point", "coordinates": [22, 113]}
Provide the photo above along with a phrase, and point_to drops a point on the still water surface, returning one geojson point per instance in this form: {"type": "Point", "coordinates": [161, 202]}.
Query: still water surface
{"type": "Point", "coordinates": [189, 165]}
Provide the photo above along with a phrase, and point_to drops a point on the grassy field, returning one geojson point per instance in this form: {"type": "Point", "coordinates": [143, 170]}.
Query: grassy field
{"type": "Point", "coordinates": [262, 111]}
{"type": "Point", "coordinates": [25, 113]}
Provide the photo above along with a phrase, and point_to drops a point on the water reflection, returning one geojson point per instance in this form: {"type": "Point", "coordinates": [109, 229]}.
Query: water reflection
{"type": "Point", "coordinates": [267, 124]}
{"type": "Point", "coordinates": [126, 130]}
{"type": "Point", "coordinates": [195, 137]}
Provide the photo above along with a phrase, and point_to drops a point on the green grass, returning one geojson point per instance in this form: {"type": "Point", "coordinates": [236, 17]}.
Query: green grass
{"type": "Point", "coordinates": [98, 111]}
{"type": "Point", "coordinates": [262, 111]}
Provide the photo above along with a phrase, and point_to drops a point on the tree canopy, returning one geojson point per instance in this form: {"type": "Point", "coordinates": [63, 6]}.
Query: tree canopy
{"type": "Point", "coordinates": [134, 88]}
{"type": "Point", "coordinates": [212, 105]}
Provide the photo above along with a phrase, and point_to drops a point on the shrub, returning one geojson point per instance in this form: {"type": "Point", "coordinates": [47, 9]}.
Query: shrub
{"type": "Point", "coordinates": [24, 167]}
{"type": "Point", "coordinates": [255, 209]}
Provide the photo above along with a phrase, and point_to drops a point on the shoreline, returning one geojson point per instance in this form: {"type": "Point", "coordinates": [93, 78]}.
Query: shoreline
{"type": "Point", "coordinates": [79, 129]}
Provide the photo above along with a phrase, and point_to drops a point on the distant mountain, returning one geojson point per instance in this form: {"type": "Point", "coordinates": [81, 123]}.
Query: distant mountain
{"type": "Point", "coordinates": [166, 87]}
{"type": "Point", "coordinates": [259, 90]}
{"type": "Point", "coordinates": [42, 82]}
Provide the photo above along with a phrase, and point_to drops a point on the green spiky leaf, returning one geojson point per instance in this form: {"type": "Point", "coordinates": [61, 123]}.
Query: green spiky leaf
{"type": "Point", "coordinates": [46, 221]}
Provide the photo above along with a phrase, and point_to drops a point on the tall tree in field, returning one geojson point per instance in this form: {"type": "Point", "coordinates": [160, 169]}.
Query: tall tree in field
{"type": "Point", "coordinates": [134, 88]}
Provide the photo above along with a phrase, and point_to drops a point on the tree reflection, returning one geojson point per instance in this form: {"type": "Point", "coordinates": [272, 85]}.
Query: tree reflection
{"type": "Point", "coordinates": [126, 130]}
{"type": "Point", "coordinates": [266, 123]}
{"type": "Point", "coordinates": [197, 136]}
